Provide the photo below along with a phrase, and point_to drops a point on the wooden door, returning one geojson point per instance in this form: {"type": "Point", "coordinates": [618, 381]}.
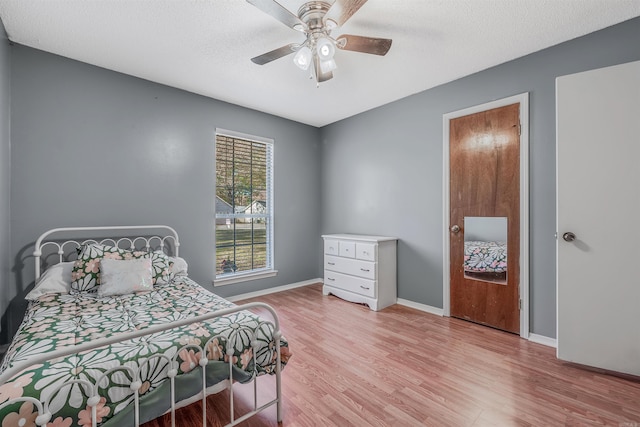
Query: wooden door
{"type": "Point", "coordinates": [598, 201]}
{"type": "Point", "coordinates": [484, 164]}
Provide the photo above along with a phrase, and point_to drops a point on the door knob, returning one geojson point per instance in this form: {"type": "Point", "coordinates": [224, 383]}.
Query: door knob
{"type": "Point", "coordinates": [455, 229]}
{"type": "Point", "coordinates": [569, 236]}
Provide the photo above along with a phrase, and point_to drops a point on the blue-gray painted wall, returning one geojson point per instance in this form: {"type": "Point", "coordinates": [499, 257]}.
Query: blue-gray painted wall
{"type": "Point", "coordinates": [5, 172]}
{"type": "Point", "coordinates": [95, 147]}
{"type": "Point", "coordinates": [382, 170]}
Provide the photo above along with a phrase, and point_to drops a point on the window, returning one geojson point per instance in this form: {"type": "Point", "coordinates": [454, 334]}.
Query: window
{"type": "Point", "coordinates": [244, 206]}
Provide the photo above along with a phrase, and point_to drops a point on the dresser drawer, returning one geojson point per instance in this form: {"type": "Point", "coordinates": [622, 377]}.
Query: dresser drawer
{"type": "Point", "coordinates": [353, 284]}
{"type": "Point", "coordinates": [331, 247]}
{"type": "Point", "coordinates": [366, 251]}
{"type": "Point", "coordinates": [353, 267]}
{"type": "Point", "coordinates": [347, 249]}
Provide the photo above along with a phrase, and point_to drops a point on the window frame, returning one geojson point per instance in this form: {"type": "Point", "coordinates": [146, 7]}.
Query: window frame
{"type": "Point", "coordinates": [269, 270]}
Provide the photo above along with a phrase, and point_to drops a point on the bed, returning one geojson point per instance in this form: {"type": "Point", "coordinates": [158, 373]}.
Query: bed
{"type": "Point", "coordinates": [121, 335]}
{"type": "Point", "coordinates": [485, 260]}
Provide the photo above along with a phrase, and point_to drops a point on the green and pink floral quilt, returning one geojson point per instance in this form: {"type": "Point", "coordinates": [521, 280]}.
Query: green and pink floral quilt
{"type": "Point", "coordinates": [58, 320]}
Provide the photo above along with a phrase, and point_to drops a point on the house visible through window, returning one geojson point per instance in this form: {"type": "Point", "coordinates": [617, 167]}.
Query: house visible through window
{"type": "Point", "coordinates": [244, 204]}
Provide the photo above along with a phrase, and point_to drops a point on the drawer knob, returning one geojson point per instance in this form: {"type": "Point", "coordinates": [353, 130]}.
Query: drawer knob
{"type": "Point", "coordinates": [365, 269]}
{"type": "Point", "coordinates": [331, 263]}
{"type": "Point", "coordinates": [364, 287]}
{"type": "Point", "coordinates": [329, 278]}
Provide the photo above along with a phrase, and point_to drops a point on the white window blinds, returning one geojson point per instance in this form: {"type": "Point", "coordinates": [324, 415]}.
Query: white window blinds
{"type": "Point", "coordinates": [243, 204]}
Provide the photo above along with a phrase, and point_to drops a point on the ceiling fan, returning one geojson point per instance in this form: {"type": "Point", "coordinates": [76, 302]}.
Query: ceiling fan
{"type": "Point", "coordinates": [316, 19]}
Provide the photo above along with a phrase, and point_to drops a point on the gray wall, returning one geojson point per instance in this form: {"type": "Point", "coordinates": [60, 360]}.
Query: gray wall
{"type": "Point", "coordinates": [5, 169]}
{"type": "Point", "coordinates": [382, 170]}
{"type": "Point", "coordinates": [95, 147]}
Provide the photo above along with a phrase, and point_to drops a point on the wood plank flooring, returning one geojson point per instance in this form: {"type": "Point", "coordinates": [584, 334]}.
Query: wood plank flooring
{"type": "Point", "coordinates": [402, 367]}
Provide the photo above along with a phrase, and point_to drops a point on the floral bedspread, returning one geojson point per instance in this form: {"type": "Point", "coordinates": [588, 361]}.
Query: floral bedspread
{"type": "Point", "coordinates": [485, 257]}
{"type": "Point", "coordinates": [54, 321]}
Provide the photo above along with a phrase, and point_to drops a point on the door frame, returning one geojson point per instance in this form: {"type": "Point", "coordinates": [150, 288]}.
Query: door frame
{"type": "Point", "coordinates": [523, 100]}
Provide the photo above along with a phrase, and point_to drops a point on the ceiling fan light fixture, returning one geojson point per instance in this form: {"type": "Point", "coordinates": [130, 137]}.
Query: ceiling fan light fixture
{"type": "Point", "coordinates": [302, 58]}
{"type": "Point", "coordinates": [325, 49]}
{"type": "Point", "coordinates": [328, 66]}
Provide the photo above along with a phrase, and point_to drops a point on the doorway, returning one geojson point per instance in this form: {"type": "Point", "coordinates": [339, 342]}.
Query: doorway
{"type": "Point", "coordinates": [485, 214]}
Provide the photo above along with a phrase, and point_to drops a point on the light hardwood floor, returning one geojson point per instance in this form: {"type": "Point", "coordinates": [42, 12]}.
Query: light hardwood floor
{"type": "Point", "coordinates": [403, 367]}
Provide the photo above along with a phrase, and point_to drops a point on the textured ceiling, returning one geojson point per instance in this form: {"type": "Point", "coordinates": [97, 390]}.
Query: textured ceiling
{"type": "Point", "coordinates": [205, 46]}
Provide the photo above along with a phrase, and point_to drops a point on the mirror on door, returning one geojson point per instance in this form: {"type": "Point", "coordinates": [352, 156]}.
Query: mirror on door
{"type": "Point", "coordinates": [485, 249]}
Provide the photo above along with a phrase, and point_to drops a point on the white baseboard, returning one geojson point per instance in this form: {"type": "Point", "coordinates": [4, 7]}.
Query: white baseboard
{"type": "Point", "coordinates": [248, 295]}
{"type": "Point", "coordinates": [422, 307]}
{"type": "Point", "coordinates": [541, 339]}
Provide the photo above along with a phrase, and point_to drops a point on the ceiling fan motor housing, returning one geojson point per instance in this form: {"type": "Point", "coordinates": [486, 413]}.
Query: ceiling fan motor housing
{"type": "Point", "coordinates": [312, 14]}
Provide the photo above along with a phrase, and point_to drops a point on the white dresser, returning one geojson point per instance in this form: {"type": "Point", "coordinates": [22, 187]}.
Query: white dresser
{"type": "Point", "coordinates": [361, 269]}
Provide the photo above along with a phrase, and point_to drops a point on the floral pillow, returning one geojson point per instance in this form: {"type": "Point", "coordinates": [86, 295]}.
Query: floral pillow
{"type": "Point", "coordinates": [85, 276]}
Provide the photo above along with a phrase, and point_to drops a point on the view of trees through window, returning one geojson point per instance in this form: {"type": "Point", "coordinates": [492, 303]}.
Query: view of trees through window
{"type": "Point", "coordinates": [243, 220]}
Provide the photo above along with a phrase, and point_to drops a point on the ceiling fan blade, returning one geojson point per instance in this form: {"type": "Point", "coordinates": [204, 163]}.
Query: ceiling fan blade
{"type": "Point", "coordinates": [342, 10]}
{"type": "Point", "coordinates": [279, 12]}
{"type": "Point", "coordinates": [362, 44]}
{"type": "Point", "coordinates": [275, 54]}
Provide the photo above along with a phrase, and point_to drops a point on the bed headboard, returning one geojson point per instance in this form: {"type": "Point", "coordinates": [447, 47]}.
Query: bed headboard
{"type": "Point", "coordinates": [65, 240]}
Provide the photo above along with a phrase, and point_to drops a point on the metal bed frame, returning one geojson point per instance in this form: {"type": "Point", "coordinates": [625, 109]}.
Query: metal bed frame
{"type": "Point", "coordinates": [147, 242]}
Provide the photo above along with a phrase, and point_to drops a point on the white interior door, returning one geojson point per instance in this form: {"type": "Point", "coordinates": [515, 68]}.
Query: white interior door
{"type": "Point", "coordinates": [598, 200]}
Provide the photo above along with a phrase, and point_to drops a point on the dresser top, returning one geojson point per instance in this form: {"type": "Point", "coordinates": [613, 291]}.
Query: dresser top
{"type": "Point", "coordinates": [359, 237]}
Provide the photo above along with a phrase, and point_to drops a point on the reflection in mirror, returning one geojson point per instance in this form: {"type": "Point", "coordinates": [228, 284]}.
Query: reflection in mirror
{"type": "Point", "coordinates": [485, 249]}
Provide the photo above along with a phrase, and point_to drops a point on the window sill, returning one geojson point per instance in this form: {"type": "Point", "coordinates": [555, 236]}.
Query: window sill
{"type": "Point", "coordinates": [237, 278]}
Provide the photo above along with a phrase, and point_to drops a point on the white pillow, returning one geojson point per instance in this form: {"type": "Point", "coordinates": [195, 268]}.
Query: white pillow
{"type": "Point", "coordinates": [178, 266]}
{"type": "Point", "coordinates": [120, 277]}
{"type": "Point", "coordinates": [55, 280]}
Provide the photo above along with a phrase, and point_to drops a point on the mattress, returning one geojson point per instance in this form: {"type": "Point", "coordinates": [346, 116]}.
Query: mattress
{"type": "Point", "coordinates": [57, 320]}
{"type": "Point", "coordinates": [485, 257]}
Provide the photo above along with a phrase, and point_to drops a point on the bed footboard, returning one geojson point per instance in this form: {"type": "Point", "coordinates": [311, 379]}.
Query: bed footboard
{"type": "Point", "coordinates": [188, 359]}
